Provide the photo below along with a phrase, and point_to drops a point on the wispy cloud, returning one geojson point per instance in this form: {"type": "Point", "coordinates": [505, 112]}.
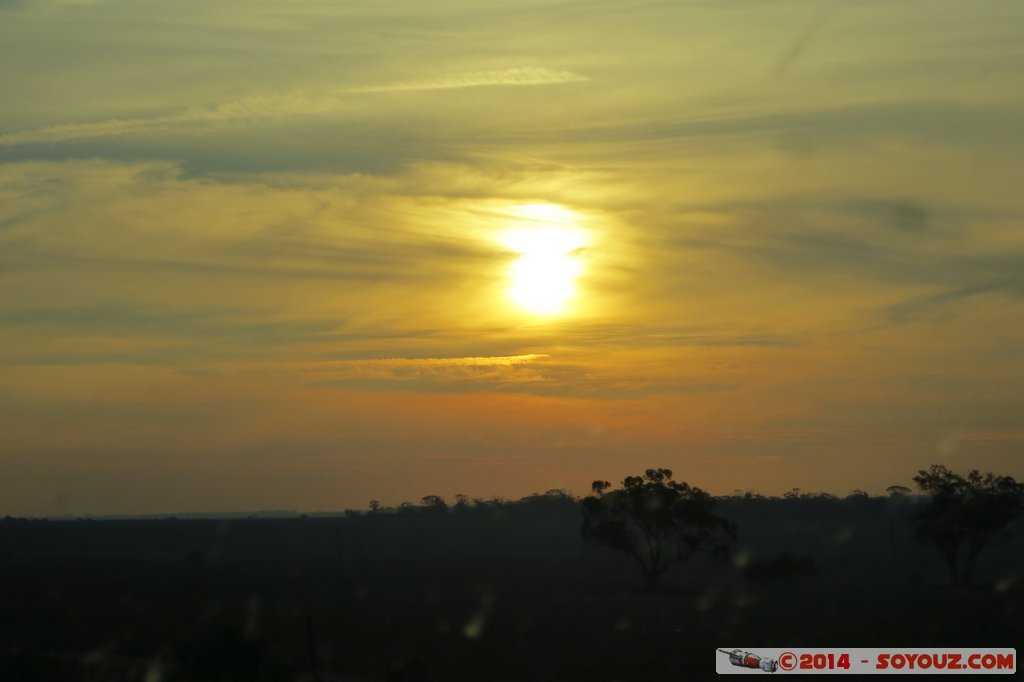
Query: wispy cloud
{"type": "Point", "coordinates": [498, 361]}
{"type": "Point", "coordinates": [45, 4]}
{"type": "Point", "coordinates": [916, 307]}
{"type": "Point", "coordinates": [475, 79]}
{"type": "Point", "coordinates": [425, 373]}
{"type": "Point", "coordinates": [249, 108]}
{"type": "Point", "coordinates": [278, 105]}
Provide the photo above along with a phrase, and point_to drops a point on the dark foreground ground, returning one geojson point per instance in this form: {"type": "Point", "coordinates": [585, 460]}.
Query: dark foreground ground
{"type": "Point", "coordinates": [496, 598]}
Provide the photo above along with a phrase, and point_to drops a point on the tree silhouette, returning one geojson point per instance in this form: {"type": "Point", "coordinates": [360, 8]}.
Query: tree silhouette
{"type": "Point", "coordinates": [656, 520]}
{"type": "Point", "coordinates": [433, 505]}
{"type": "Point", "coordinates": [965, 515]}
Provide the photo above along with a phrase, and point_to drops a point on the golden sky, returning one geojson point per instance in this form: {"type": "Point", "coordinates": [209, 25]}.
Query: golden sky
{"type": "Point", "coordinates": [266, 255]}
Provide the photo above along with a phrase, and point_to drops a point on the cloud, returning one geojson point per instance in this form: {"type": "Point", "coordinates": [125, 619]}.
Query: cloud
{"type": "Point", "coordinates": [236, 326]}
{"type": "Point", "coordinates": [903, 215]}
{"type": "Point", "coordinates": [918, 307]}
{"type": "Point", "coordinates": [431, 374]}
{"type": "Point", "coordinates": [276, 106]}
{"type": "Point", "coordinates": [476, 79]}
{"type": "Point", "coordinates": [501, 361]}
{"type": "Point", "coordinates": [46, 4]}
{"type": "Point", "coordinates": [247, 109]}
{"type": "Point", "coordinates": [592, 378]}
{"type": "Point", "coordinates": [867, 242]}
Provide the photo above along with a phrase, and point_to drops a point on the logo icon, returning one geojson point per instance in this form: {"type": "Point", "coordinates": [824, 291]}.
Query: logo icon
{"type": "Point", "coordinates": [745, 659]}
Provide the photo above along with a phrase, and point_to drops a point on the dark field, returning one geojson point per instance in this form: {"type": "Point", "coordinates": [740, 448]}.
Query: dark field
{"type": "Point", "coordinates": [510, 594]}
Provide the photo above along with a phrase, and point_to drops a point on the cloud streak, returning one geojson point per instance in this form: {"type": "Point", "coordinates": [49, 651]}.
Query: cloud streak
{"type": "Point", "coordinates": [477, 79]}
{"type": "Point", "coordinates": [262, 107]}
{"type": "Point", "coordinates": [250, 108]}
{"type": "Point", "coordinates": [499, 361]}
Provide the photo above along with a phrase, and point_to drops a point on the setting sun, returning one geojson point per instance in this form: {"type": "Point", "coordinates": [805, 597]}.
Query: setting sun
{"type": "Point", "coordinates": [548, 241]}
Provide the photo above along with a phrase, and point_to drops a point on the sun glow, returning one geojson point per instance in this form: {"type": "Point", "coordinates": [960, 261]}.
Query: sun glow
{"type": "Point", "coordinates": [548, 241]}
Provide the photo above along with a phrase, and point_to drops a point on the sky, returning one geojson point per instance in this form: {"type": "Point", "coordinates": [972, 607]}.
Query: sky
{"type": "Point", "coordinates": [268, 255]}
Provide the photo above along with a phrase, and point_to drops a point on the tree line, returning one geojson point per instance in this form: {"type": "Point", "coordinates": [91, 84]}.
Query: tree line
{"type": "Point", "coordinates": [661, 523]}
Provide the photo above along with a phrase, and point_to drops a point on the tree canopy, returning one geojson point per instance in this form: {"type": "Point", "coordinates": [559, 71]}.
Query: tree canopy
{"type": "Point", "coordinates": [965, 515]}
{"type": "Point", "coordinates": [658, 521]}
